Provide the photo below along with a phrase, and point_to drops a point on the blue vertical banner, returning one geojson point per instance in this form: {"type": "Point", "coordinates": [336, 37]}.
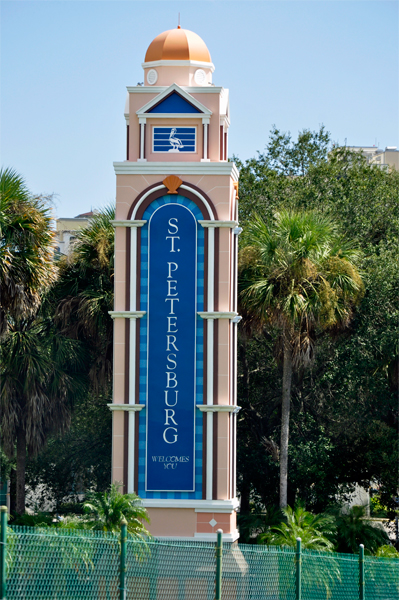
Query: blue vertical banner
{"type": "Point", "coordinates": [171, 350]}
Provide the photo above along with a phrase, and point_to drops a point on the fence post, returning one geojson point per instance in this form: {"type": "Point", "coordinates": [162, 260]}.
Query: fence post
{"type": "Point", "coordinates": [3, 552]}
{"type": "Point", "coordinates": [362, 583]}
{"type": "Point", "coordinates": [218, 554]}
{"type": "Point", "coordinates": [298, 569]}
{"type": "Point", "coordinates": [122, 570]}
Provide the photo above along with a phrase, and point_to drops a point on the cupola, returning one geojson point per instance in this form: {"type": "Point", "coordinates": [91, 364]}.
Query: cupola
{"type": "Point", "coordinates": [178, 56]}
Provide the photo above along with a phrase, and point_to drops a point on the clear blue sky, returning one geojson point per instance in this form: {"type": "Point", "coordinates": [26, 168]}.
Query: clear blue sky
{"type": "Point", "coordinates": [296, 64]}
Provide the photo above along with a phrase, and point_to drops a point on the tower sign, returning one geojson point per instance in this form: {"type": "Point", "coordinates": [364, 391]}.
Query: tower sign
{"type": "Point", "coordinates": [174, 402]}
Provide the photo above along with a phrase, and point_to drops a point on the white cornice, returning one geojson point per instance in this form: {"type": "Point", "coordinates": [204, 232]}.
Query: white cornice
{"type": "Point", "coordinates": [178, 63]}
{"type": "Point", "coordinates": [217, 315]}
{"type": "Point", "coordinates": [142, 115]}
{"type": "Point", "coordinates": [229, 224]}
{"type": "Point", "coordinates": [176, 168]}
{"type": "Point", "coordinates": [157, 89]}
{"type": "Point", "coordinates": [217, 506]}
{"type": "Point", "coordinates": [229, 408]}
{"type": "Point", "coordinates": [126, 314]}
{"type": "Point", "coordinates": [127, 407]}
{"type": "Point", "coordinates": [143, 111]}
{"type": "Point", "coordinates": [127, 223]}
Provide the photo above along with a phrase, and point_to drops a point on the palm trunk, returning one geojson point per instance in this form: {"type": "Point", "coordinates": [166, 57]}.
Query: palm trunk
{"type": "Point", "coordinates": [285, 422]}
{"type": "Point", "coordinates": [21, 466]}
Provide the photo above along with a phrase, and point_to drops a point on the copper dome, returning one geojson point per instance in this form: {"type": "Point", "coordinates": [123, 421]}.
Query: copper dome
{"type": "Point", "coordinates": [178, 44]}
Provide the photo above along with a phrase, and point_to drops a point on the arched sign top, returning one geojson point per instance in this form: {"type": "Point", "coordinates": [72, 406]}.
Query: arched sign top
{"type": "Point", "coordinates": [187, 190]}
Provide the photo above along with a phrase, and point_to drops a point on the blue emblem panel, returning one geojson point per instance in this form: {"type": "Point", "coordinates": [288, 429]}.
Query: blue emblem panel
{"type": "Point", "coordinates": [171, 362]}
{"type": "Point", "coordinates": [174, 139]}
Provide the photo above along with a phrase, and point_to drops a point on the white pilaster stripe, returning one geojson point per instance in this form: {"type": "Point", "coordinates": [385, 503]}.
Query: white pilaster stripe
{"type": "Point", "coordinates": [133, 278]}
{"type": "Point", "coordinates": [205, 142]}
{"type": "Point", "coordinates": [130, 452]}
{"type": "Point", "coordinates": [209, 455]}
{"type": "Point", "coordinates": [211, 268]}
{"type": "Point", "coordinates": [132, 388]}
{"type": "Point", "coordinates": [142, 125]}
{"type": "Point", "coordinates": [232, 330]}
{"type": "Point", "coordinates": [209, 366]}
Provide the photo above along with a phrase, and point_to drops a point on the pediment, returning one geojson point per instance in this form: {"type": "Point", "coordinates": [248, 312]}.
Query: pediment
{"type": "Point", "coordinates": [174, 100]}
{"type": "Point", "coordinates": [174, 103]}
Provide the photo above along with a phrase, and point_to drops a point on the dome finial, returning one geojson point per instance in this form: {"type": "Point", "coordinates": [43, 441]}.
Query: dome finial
{"type": "Point", "coordinates": [178, 21]}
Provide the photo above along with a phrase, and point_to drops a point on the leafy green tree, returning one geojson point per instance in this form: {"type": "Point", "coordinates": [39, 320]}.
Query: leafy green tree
{"type": "Point", "coordinates": [297, 275]}
{"type": "Point", "coordinates": [80, 301]}
{"type": "Point", "coordinates": [107, 509]}
{"type": "Point", "coordinates": [315, 531]}
{"type": "Point", "coordinates": [353, 529]}
{"type": "Point", "coordinates": [27, 268]}
{"type": "Point", "coordinates": [387, 551]}
{"type": "Point", "coordinates": [75, 460]}
{"type": "Point", "coordinates": [344, 426]}
{"type": "Point", "coordinates": [39, 375]}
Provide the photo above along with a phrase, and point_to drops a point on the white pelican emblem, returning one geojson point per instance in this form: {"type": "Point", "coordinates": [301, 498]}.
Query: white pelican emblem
{"type": "Point", "coordinates": [174, 141]}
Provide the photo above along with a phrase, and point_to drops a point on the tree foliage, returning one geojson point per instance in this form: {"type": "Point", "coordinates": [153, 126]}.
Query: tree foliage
{"type": "Point", "coordinates": [315, 531]}
{"type": "Point", "coordinates": [296, 275]}
{"type": "Point", "coordinates": [27, 268]}
{"type": "Point", "coordinates": [107, 509]}
{"type": "Point", "coordinates": [80, 301]}
{"type": "Point", "coordinates": [85, 292]}
{"type": "Point", "coordinates": [344, 416]}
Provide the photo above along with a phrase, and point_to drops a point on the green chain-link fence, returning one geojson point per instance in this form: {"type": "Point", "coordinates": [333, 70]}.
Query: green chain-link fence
{"type": "Point", "coordinates": [62, 564]}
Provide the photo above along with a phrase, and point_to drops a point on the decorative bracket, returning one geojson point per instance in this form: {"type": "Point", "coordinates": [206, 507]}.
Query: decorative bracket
{"type": "Point", "coordinates": [126, 407]}
{"type": "Point", "coordinates": [229, 408]}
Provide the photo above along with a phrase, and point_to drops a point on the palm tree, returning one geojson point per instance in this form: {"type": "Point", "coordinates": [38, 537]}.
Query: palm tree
{"type": "Point", "coordinates": [27, 268]}
{"type": "Point", "coordinates": [38, 377]}
{"type": "Point", "coordinates": [353, 528]}
{"type": "Point", "coordinates": [298, 275]}
{"type": "Point", "coordinates": [315, 531]}
{"type": "Point", "coordinates": [107, 509]}
{"type": "Point", "coordinates": [85, 294]}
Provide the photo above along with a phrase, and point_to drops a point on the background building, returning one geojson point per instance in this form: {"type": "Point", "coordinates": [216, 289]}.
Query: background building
{"type": "Point", "coordinates": [66, 229]}
{"type": "Point", "coordinates": [388, 158]}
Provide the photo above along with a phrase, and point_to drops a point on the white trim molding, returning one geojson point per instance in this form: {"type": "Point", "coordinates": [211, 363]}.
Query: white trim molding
{"type": "Point", "coordinates": [210, 537]}
{"type": "Point", "coordinates": [127, 314]}
{"type": "Point", "coordinates": [217, 315]}
{"type": "Point", "coordinates": [173, 116]}
{"type": "Point", "coordinates": [158, 89]}
{"type": "Point", "coordinates": [228, 538]}
{"type": "Point", "coordinates": [227, 408]}
{"type": "Point", "coordinates": [126, 407]}
{"type": "Point", "coordinates": [230, 224]}
{"type": "Point", "coordinates": [217, 506]}
{"type": "Point", "coordinates": [127, 223]}
{"type": "Point", "coordinates": [178, 63]}
{"type": "Point", "coordinates": [176, 168]}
